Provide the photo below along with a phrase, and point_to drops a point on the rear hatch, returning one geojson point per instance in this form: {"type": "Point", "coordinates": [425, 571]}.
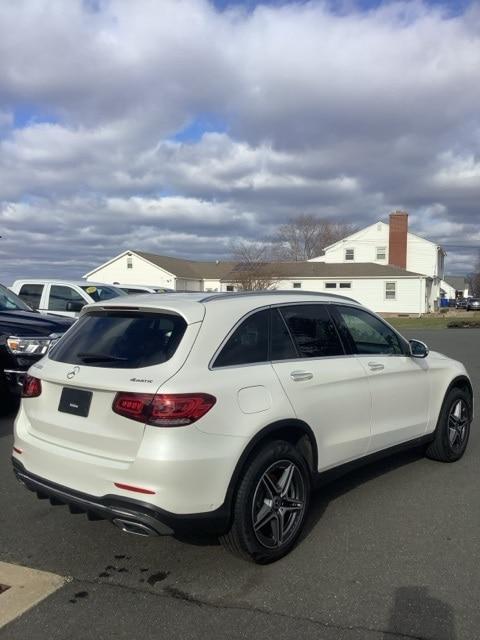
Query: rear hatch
{"type": "Point", "coordinates": [108, 351]}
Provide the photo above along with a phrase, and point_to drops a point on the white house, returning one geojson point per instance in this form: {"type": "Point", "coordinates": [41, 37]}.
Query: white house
{"type": "Point", "coordinates": [454, 287]}
{"type": "Point", "coordinates": [383, 266]}
{"type": "Point", "coordinates": [384, 288]}
{"type": "Point", "coordinates": [392, 244]}
{"type": "Point", "coordinates": [138, 267]}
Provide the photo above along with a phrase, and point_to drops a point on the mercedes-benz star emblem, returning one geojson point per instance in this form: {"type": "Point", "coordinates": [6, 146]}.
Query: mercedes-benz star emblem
{"type": "Point", "coordinates": [71, 374]}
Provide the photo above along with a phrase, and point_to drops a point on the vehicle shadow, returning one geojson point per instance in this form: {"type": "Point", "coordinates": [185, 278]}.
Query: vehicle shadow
{"type": "Point", "coordinates": [416, 614]}
{"type": "Point", "coordinates": [7, 416]}
{"type": "Point", "coordinates": [328, 490]}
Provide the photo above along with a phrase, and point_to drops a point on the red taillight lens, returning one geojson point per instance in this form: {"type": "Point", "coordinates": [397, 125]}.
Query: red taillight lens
{"type": "Point", "coordinates": [163, 410]}
{"type": "Point", "coordinates": [32, 387]}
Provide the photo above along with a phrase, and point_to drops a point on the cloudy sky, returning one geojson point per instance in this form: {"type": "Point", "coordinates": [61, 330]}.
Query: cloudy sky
{"type": "Point", "coordinates": [173, 126]}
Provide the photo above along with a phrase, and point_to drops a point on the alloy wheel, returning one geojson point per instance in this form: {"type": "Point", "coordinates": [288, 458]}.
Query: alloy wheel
{"type": "Point", "coordinates": [458, 421]}
{"type": "Point", "coordinates": [278, 504]}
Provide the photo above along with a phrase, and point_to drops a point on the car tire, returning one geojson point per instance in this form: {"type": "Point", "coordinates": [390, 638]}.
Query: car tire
{"type": "Point", "coordinates": [453, 428]}
{"type": "Point", "coordinates": [270, 505]}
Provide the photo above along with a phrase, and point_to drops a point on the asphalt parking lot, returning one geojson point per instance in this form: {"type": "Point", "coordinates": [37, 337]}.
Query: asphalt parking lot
{"type": "Point", "coordinates": [391, 552]}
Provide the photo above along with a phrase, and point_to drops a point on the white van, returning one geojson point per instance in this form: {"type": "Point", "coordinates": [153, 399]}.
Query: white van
{"type": "Point", "coordinates": [63, 297]}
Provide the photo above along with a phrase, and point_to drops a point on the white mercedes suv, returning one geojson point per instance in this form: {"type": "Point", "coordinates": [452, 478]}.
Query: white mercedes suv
{"type": "Point", "coordinates": [187, 413]}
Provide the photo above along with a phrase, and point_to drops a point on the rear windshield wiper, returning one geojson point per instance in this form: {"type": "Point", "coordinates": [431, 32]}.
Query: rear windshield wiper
{"type": "Point", "coordinates": [88, 356]}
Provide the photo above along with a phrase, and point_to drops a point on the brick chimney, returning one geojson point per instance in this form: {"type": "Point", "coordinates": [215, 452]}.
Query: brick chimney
{"type": "Point", "coordinates": [397, 243]}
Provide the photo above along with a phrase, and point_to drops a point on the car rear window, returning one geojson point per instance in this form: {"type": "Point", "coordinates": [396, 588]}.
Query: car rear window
{"type": "Point", "coordinates": [31, 294]}
{"type": "Point", "coordinates": [100, 293]}
{"type": "Point", "coordinates": [121, 339]}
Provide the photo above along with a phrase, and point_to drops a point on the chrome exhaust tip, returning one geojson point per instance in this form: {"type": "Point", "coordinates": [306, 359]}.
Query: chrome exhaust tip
{"type": "Point", "coordinates": [136, 528]}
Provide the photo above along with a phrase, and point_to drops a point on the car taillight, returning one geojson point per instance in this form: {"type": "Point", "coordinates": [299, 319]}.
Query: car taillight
{"type": "Point", "coordinates": [164, 409]}
{"type": "Point", "coordinates": [32, 387]}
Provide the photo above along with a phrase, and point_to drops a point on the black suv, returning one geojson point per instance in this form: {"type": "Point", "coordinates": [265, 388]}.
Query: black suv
{"type": "Point", "coordinates": [25, 336]}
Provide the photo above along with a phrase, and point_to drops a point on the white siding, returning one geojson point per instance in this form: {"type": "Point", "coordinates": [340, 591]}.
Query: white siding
{"type": "Point", "coordinates": [212, 285]}
{"type": "Point", "coordinates": [364, 243]}
{"type": "Point", "coordinates": [410, 292]}
{"type": "Point", "coordinates": [422, 255]}
{"type": "Point", "coordinates": [142, 272]}
{"type": "Point", "coordinates": [450, 292]}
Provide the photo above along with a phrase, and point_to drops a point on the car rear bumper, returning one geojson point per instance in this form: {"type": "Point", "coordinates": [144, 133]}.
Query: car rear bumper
{"type": "Point", "coordinates": [132, 516]}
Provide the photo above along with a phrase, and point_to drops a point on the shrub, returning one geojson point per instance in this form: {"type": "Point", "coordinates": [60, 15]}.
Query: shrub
{"type": "Point", "coordinates": [464, 323]}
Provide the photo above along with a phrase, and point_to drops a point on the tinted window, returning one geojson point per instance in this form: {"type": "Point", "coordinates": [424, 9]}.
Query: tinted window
{"type": "Point", "coordinates": [282, 347]}
{"type": "Point", "coordinates": [312, 330]}
{"type": "Point", "coordinates": [129, 290]}
{"type": "Point", "coordinates": [124, 340]}
{"type": "Point", "coordinates": [248, 343]}
{"type": "Point", "coordinates": [60, 296]}
{"type": "Point", "coordinates": [9, 301]}
{"type": "Point", "coordinates": [31, 294]}
{"type": "Point", "coordinates": [102, 292]}
{"type": "Point", "coordinates": [369, 334]}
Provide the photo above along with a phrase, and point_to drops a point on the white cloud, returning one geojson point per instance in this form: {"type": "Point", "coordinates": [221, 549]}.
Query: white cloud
{"type": "Point", "coordinates": [345, 115]}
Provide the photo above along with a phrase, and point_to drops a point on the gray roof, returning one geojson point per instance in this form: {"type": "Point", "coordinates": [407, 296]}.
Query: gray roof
{"type": "Point", "coordinates": [228, 271]}
{"type": "Point", "coordinates": [459, 283]}
{"type": "Point", "coordinates": [330, 270]}
{"type": "Point", "coordinates": [189, 268]}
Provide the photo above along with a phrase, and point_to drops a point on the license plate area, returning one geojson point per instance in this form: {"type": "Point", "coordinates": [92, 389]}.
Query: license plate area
{"type": "Point", "coordinates": [75, 401]}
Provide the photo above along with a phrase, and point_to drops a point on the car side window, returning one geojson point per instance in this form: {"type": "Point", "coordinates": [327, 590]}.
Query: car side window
{"type": "Point", "coordinates": [369, 334]}
{"type": "Point", "coordinates": [248, 343]}
{"type": "Point", "coordinates": [281, 344]}
{"type": "Point", "coordinates": [61, 295]}
{"type": "Point", "coordinates": [31, 294]}
{"type": "Point", "coordinates": [312, 330]}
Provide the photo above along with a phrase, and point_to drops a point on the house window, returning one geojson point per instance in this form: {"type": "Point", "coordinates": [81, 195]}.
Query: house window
{"type": "Point", "coordinates": [330, 285]}
{"type": "Point", "coordinates": [381, 253]}
{"type": "Point", "coordinates": [390, 290]}
{"type": "Point", "coordinates": [345, 285]}
{"type": "Point", "coordinates": [349, 254]}
{"type": "Point", "coordinates": [230, 287]}
{"type": "Point", "coordinates": [129, 262]}
{"type": "Point", "coordinates": [297, 285]}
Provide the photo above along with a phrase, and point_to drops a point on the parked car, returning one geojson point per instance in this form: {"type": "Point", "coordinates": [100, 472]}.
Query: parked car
{"type": "Point", "coordinates": [63, 297]}
{"type": "Point", "coordinates": [25, 337]}
{"type": "Point", "coordinates": [461, 303]}
{"type": "Point", "coordinates": [142, 288]}
{"type": "Point", "coordinates": [473, 304]}
{"type": "Point", "coordinates": [221, 412]}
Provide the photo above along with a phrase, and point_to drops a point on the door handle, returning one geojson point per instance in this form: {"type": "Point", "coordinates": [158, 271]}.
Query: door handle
{"type": "Point", "coordinates": [375, 366]}
{"type": "Point", "coordinates": [299, 376]}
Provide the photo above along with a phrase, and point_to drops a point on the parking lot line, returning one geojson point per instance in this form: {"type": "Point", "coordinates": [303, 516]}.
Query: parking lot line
{"type": "Point", "coordinates": [25, 588]}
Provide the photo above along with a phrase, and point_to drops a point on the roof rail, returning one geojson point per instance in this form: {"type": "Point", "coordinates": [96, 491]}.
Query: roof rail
{"type": "Point", "coordinates": [272, 292]}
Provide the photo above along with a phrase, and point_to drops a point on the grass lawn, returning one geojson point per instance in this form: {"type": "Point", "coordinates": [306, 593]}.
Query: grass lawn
{"type": "Point", "coordinates": [431, 321]}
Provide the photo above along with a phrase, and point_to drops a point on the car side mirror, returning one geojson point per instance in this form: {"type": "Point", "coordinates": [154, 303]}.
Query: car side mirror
{"type": "Point", "coordinates": [418, 349]}
{"type": "Point", "coordinates": [74, 306]}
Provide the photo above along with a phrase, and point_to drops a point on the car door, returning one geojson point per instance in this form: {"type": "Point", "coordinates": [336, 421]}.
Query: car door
{"type": "Point", "coordinates": [399, 384]}
{"type": "Point", "coordinates": [327, 387]}
{"type": "Point", "coordinates": [64, 300]}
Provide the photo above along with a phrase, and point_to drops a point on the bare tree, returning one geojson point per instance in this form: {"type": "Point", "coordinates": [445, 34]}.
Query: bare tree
{"type": "Point", "coordinates": [254, 267]}
{"type": "Point", "coordinates": [475, 278]}
{"type": "Point", "coordinates": [305, 237]}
